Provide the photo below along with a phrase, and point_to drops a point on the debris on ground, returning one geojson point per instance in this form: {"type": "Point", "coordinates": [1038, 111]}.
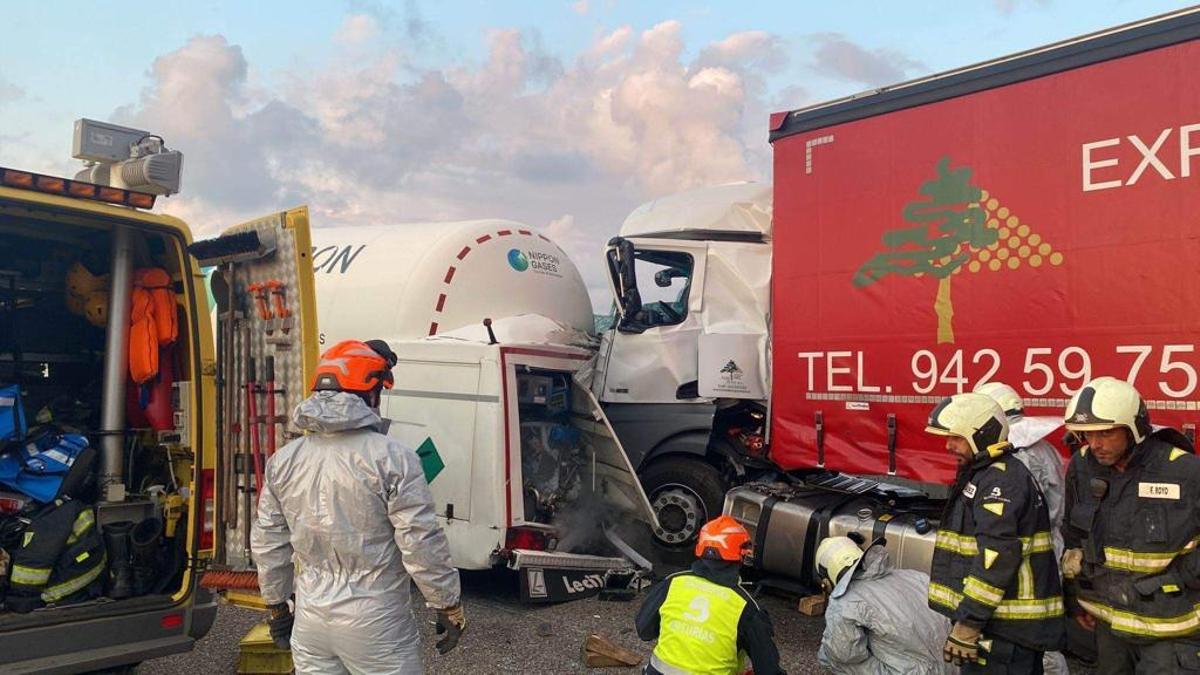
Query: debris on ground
{"type": "Point", "coordinates": [598, 652]}
{"type": "Point", "coordinates": [812, 605]}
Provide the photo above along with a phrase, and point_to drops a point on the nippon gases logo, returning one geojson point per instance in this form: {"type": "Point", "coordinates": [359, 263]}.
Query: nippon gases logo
{"type": "Point", "coordinates": [537, 261]}
{"type": "Point", "coordinates": [517, 260]}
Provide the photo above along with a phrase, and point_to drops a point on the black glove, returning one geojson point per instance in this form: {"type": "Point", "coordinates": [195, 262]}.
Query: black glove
{"type": "Point", "coordinates": [451, 622]}
{"type": "Point", "coordinates": [280, 623]}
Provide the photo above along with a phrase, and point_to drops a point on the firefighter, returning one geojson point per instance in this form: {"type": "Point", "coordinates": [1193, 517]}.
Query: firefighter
{"type": "Point", "coordinates": [351, 508]}
{"type": "Point", "coordinates": [1131, 528]}
{"type": "Point", "coordinates": [1028, 436]}
{"type": "Point", "coordinates": [877, 620]}
{"type": "Point", "coordinates": [703, 619]}
{"type": "Point", "coordinates": [994, 573]}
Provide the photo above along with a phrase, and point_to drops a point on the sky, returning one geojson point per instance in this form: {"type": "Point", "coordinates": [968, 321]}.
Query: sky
{"type": "Point", "coordinates": [560, 114]}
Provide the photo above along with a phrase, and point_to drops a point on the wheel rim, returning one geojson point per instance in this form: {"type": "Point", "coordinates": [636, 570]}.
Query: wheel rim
{"type": "Point", "coordinates": [680, 513]}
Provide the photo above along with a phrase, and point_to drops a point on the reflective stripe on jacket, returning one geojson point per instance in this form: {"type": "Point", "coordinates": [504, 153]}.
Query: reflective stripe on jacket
{"type": "Point", "coordinates": [61, 558]}
{"type": "Point", "coordinates": [1139, 529]}
{"type": "Point", "coordinates": [994, 564]}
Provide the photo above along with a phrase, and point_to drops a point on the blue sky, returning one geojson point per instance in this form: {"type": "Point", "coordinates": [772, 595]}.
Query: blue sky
{"type": "Point", "coordinates": [561, 114]}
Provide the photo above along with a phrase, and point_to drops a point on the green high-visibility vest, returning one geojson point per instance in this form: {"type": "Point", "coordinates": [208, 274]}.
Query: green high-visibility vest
{"type": "Point", "coordinates": [698, 628]}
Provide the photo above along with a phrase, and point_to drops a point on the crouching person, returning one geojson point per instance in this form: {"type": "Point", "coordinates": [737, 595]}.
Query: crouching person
{"type": "Point", "coordinates": [877, 621]}
{"type": "Point", "coordinates": [703, 619]}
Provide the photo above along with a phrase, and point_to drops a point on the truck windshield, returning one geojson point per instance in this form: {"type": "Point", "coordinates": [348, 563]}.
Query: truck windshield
{"type": "Point", "coordinates": [664, 279]}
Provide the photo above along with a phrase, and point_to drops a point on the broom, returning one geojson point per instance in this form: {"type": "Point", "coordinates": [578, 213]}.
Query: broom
{"type": "Point", "coordinates": [227, 249]}
{"type": "Point", "coordinates": [224, 580]}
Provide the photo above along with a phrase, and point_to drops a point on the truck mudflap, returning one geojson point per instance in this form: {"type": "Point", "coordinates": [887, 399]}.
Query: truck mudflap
{"type": "Point", "coordinates": [553, 576]}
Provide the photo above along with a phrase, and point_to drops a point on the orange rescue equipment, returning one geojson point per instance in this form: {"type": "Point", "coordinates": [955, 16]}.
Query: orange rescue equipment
{"type": "Point", "coordinates": [153, 322]}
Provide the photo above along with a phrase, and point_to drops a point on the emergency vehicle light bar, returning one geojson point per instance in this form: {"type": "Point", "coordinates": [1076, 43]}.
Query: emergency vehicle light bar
{"type": "Point", "coordinates": [26, 180]}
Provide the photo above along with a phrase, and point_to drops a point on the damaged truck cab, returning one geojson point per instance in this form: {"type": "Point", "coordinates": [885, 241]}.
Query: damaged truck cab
{"type": "Point", "coordinates": [691, 275]}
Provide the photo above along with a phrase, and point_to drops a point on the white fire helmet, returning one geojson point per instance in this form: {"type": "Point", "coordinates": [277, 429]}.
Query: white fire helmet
{"type": "Point", "coordinates": [975, 417]}
{"type": "Point", "coordinates": [1006, 396]}
{"type": "Point", "coordinates": [1107, 403]}
{"type": "Point", "coordinates": [834, 557]}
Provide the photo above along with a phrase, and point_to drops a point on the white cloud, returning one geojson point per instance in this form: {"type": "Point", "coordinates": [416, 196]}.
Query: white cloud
{"type": "Point", "coordinates": [368, 137]}
{"type": "Point", "coordinates": [836, 56]}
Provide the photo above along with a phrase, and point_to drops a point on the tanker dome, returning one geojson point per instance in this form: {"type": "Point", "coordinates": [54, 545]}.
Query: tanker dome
{"type": "Point", "coordinates": [412, 280]}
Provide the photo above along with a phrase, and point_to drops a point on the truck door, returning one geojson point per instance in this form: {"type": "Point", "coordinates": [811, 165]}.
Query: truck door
{"type": "Point", "coordinates": [611, 474]}
{"type": "Point", "coordinates": [651, 356]}
{"type": "Point", "coordinates": [266, 342]}
{"type": "Point", "coordinates": [432, 410]}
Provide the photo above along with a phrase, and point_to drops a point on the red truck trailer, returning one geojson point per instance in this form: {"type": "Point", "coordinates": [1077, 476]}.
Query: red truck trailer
{"type": "Point", "coordinates": [1033, 220]}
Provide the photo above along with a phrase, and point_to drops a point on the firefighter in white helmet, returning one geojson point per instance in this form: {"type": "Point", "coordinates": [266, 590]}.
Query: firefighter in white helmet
{"type": "Point", "coordinates": [1028, 435]}
{"type": "Point", "coordinates": [1131, 528]}
{"type": "Point", "coordinates": [877, 621]}
{"type": "Point", "coordinates": [994, 573]}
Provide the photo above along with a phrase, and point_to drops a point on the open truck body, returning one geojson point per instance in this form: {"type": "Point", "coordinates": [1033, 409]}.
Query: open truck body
{"type": "Point", "coordinates": [71, 269]}
{"type": "Point", "coordinates": [51, 351]}
{"type": "Point", "coordinates": [524, 469]}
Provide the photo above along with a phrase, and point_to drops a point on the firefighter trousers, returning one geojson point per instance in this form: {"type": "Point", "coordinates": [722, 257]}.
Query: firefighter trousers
{"type": "Point", "coordinates": [1115, 654]}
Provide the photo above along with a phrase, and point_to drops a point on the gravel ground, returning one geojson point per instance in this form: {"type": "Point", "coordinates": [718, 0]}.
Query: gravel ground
{"type": "Point", "coordinates": [506, 636]}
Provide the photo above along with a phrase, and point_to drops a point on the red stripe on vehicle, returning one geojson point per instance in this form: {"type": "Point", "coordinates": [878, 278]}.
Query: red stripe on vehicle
{"type": "Point", "coordinates": [507, 439]}
{"type": "Point", "coordinates": [543, 237]}
{"type": "Point", "coordinates": [441, 302]}
{"type": "Point", "coordinates": [463, 253]}
{"type": "Point", "coordinates": [433, 328]}
{"type": "Point", "coordinates": [527, 233]}
{"type": "Point", "coordinates": [483, 239]}
{"type": "Point", "coordinates": [504, 233]}
{"type": "Point", "coordinates": [449, 275]}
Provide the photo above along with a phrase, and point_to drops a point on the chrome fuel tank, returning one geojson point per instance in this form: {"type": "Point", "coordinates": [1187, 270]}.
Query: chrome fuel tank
{"type": "Point", "coordinates": [786, 523]}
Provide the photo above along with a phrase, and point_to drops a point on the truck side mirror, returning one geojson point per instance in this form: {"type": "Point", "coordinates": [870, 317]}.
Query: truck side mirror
{"type": "Point", "coordinates": [620, 266]}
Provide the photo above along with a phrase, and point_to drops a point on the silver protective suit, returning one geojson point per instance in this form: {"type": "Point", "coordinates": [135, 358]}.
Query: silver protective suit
{"type": "Point", "coordinates": [344, 519]}
{"type": "Point", "coordinates": [1049, 471]}
{"type": "Point", "coordinates": [878, 622]}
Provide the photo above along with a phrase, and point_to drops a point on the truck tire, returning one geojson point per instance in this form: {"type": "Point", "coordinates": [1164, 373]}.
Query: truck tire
{"type": "Point", "coordinates": [685, 493]}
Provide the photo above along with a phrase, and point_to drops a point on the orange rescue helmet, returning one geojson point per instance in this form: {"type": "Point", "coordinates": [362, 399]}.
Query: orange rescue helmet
{"type": "Point", "coordinates": [723, 538]}
{"type": "Point", "coordinates": [356, 367]}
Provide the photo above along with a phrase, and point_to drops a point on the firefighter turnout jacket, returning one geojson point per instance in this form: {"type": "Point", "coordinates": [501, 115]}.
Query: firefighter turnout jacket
{"type": "Point", "coordinates": [705, 622]}
{"type": "Point", "coordinates": [994, 566]}
{"type": "Point", "coordinates": [61, 558]}
{"type": "Point", "coordinates": [1138, 529]}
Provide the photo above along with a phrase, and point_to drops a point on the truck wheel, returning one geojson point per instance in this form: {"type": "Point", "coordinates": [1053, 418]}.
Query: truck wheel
{"type": "Point", "coordinates": [685, 493]}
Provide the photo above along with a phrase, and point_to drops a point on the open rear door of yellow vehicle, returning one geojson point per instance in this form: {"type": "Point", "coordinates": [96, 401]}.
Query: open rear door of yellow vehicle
{"type": "Point", "coordinates": [266, 327]}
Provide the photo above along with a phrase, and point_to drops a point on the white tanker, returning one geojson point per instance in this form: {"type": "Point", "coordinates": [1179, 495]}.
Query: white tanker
{"type": "Point", "coordinates": [521, 461]}
{"type": "Point", "coordinates": [409, 281]}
